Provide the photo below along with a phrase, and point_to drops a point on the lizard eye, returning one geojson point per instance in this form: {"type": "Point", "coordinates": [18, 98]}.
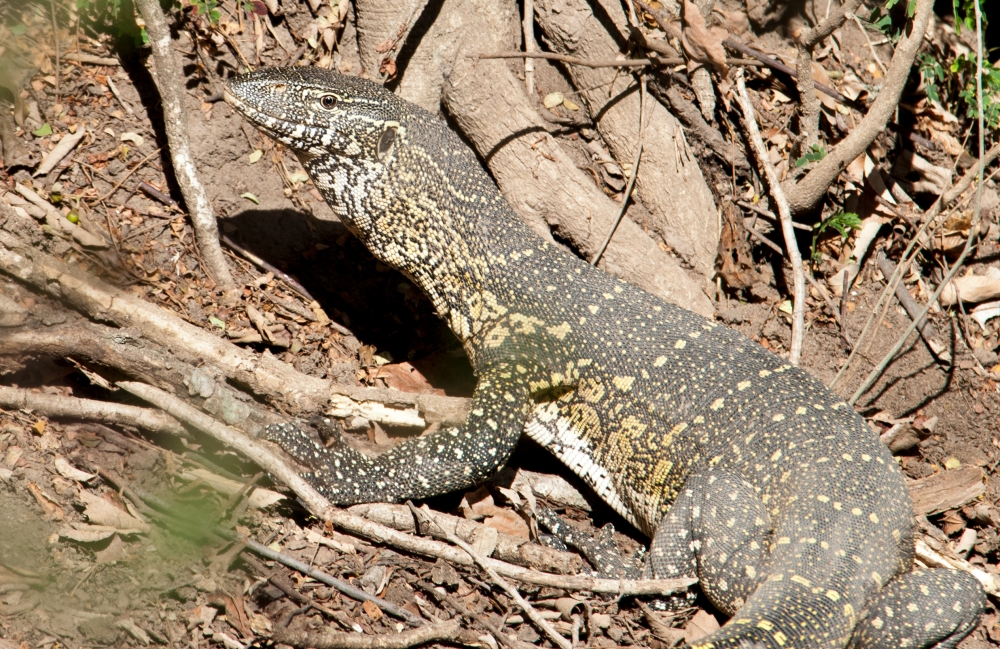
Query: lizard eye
{"type": "Point", "coordinates": [328, 102]}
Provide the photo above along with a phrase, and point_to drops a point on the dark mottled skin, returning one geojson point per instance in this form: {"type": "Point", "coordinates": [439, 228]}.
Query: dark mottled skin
{"type": "Point", "coordinates": [747, 472]}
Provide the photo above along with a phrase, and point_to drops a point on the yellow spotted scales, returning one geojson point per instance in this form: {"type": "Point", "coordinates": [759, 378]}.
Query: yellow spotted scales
{"type": "Point", "coordinates": [747, 472]}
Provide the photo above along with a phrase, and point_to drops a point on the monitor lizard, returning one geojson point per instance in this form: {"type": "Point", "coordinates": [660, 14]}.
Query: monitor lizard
{"type": "Point", "coordinates": [746, 471]}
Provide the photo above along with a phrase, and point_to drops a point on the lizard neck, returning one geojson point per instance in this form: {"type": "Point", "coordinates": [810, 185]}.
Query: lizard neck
{"type": "Point", "coordinates": [448, 234]}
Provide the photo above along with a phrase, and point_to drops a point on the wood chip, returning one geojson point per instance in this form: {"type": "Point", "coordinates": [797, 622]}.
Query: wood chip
{"type": "Point", "coordinates": [946, 490]}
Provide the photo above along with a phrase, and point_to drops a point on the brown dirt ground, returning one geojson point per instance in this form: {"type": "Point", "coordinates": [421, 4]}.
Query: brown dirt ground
{"type": "Point", "coordinates": [180, 585]}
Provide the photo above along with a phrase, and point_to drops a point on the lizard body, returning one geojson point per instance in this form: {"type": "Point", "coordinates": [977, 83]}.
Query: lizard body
{"type": "Point", "coordinates": [746, 472]}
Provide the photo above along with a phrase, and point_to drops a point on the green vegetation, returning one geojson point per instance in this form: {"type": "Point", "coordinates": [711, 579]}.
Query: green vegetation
{"type": "Point", "coordinates": [842, 222]}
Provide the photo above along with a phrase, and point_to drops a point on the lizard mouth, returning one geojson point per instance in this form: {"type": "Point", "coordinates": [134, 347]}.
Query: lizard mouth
{"type": "Point", "coordinates": [275, 127]}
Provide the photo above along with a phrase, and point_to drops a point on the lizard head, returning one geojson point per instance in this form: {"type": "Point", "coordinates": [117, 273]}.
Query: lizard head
{"type": "Point", "coordinates": [318, 113]}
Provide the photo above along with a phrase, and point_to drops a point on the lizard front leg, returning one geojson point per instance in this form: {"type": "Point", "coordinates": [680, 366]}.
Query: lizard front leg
{"type": "Point", "coordinates": [446, 460]}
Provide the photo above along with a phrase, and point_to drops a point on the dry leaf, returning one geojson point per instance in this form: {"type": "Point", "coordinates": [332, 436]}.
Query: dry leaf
{"type": "Point", "coordinates": [259, 498]}
{"type": "Point", "coordinates": [67, 470]}
{"type": "Point", "coordinates": [83, 533]}
{"type": "Point", "coordinates": [819, 75]}
{"type": "Point", "coordinates": [100, 512]}
{"type": "Point", "coordinates": [405, 377]}
{"type": "Point", "coordinates": [973, 288]}
{"type": "Point", "coordinates": [920, 175]}
{"type": "Point", "coordinates": [702, 45]}
{"type": "Point", "coordinates": [373, 611]}
{"type": "Point", "coordinates": [135, 138]}
{"type": "Point", "coordinates": [702, 624]}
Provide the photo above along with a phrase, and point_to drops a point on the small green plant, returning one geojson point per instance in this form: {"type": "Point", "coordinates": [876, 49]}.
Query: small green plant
{"type": "Point", "coordinates": [254, 7]}
{"type": "Point", "coordinates": [115, 15]}
{"type": "Point", "coordinates": [842, 222]}
{"type": "Point", "coordinates": [965, 68]}
{"type": "Point", "coordinates": [965, 14]}
{"type": "Point", "coordinates": [815, 153]}
{"type": "Point", "coordinates": [208, 8]}
{"type": "Point", "coordinates": [880, 19]}
{"type": "Point", "coordinates": [933, 74]}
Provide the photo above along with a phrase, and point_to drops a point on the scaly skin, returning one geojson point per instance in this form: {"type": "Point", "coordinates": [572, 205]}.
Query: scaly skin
{"type": "Point", "coordinates": [748, 473]}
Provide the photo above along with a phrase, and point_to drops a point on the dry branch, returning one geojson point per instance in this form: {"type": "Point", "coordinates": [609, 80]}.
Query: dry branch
{"type": "Point", "coordinates": [319, 506]}
{"type": "Point", "coordinates": [508, 548]}
{"type": "Point", "coordinates": [444, 632]}
{"type": "Point", "coordinates": [170, 85]}
{"type": "Point", "coordinates": [54, 405]}
{"type": "Point", "coordinates": [799, 289]}
{"type": "Point", "coordinates": [808, 101]}
{"type": "Point", "coordinates": [528, 609]}
{"type": "Point", "coordinates": [267, 376]}
{"type": "Point", "coordinates": [805, 194]}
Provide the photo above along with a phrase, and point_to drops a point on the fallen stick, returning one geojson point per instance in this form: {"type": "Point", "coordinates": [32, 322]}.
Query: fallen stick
{"type": "Point", "coordinates": [170, 84]}
{"type": "Point", "coordinates": [498, 545]}
{"type": "Point", "coordinates": [799, 289]}
{"type": "Point", "coordinates": [528, 609]}
{"type": "Point", "coordinates": [924, 327]}
{"type": "Point", "coordinates": [264, 375]}
{"type": "Point", "coordinates": [54, 405]}
{"type": "Point", "coordinates": [90, 59]}
{"type": "Point", "coordinates": [322, 509]}
{"type": "Point", "coordinates": [445, 632]}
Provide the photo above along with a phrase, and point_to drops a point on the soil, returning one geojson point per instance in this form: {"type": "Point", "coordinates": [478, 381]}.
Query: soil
{"type": "Point", "coordinates": [181, 584]}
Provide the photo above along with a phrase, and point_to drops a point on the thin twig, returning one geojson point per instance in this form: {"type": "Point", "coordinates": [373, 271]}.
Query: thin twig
{"type": "Point", "coordinates": [606, 63]}
{"type": "Point", "coordinates": [884, 363]}
{"type": "Point", "coordinates": [973, 231]}
{"type": "Point", "coordinates": [321, 508]}
{"type": "Point", "coordinates": [461, 609]}
{"type": "Point", "coordinates": [799, 288]}
{"type": "Point", "coordinates": [631, 178]}
{"type": "Point", "coordinates": [444, 632]}
{"type": "Point", "coordinates": [774, 64]}
{"type": "Point", "coordinates": [768, 214]}
{"type": "Point", "coordinates": [170, 84]}
{"type": "Point", "coordinates": [528, 609]}
{"type": "Point", "coordinates": [54, 405]}
{"type": "Point", "coordinates": [909, 254]}
{"type": "Point", "coordinates": [131, 171]}
{"type": "Point", "coordinates": [871, 47]}
{"type": "Point", "coordinates": [285, 585]}
{"type": "Point", "coordinates": [764, 240]}
{"type": "Point", "coordinates": [528, 29]}
{"type": "Point", "coordinates": [912, 308]}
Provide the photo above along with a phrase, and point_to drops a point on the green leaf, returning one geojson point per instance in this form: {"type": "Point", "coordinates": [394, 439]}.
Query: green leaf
{"type": "Point", "coordinates": [19, 29]}
{"type": "Point", "coordinates": [216, 322]}
{"type": "Point", "coordinates": [842, 222]}
{"type": "Point", "coordinates": [814, 154]}
{"type": "Point", "coordinates": [44, 130]}
{"type": "Point", "coordinates": [250, 197]}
